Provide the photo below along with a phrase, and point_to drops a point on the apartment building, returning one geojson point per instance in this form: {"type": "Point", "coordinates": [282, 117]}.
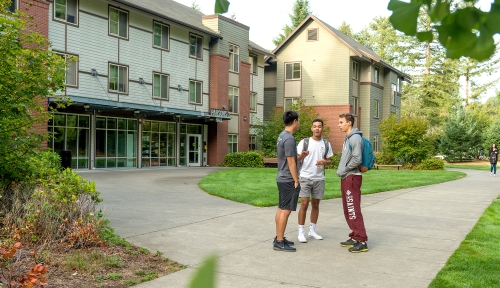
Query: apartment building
{"type": "Point", "coordinates": [152, 83]}
{"type": "Point", "coordinates": [335, 74]}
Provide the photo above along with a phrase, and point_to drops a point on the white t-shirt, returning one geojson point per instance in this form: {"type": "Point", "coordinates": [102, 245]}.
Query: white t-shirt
{"type": "Point", "coordinates": [316, 152]}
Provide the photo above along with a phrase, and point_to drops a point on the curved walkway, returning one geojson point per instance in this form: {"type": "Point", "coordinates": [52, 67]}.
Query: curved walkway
{"type": "Point", "coordinates": [412, 232]}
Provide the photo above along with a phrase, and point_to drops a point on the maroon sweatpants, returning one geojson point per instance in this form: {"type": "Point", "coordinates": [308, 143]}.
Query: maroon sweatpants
{"type": "Point", "coordinates": [351, 200]}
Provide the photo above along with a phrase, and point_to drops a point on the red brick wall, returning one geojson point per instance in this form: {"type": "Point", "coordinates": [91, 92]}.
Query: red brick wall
{"type": "Point", "coordinates": [244, 99]}
{"type": "Point", "coordinates": [39, 11]}
{"type": "Point", "coordinates": [219, 86]}
{"type": "Point", "coordinates": [331, 115]}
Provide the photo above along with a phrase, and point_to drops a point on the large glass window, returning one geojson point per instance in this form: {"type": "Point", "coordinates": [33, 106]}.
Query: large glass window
{"type": "Point", "coordinates": [118, 78]}
{"type": "Point", "coordinates": [158, 143]}
{"type": "Point", "coordinates": [195, 92]}
{"type": "Point", "coordinates": [196, 46]}
{"type": "Point", "coordinates": [289, 102]}
{"type": "Point", "coordinates": [66, 10]}
{"type": "Point", "coordinates": [375, 143]}
{"type": "Point", "coordinates": [118, 22]}
{"type": "Point", "coordinates": [292, 71]}
{"type": "Point", "coordinates": [232, 145]}
{"type": "Point", "coordinates": [116, 142]}
{"type": "Point", "coordinates": [234, 58]}
{"type": "Point", "coordinates": [233, 99]}
{"type": "Point", "coordinates": [253, 63]}
{"type": "Point", "coordinates": [160, 35]}
{"type": "Point", "coordinates": [376, 108]}
{"type": "Point", "coordinates": [376, 75]}
{"type": "Point", "coordinates": [160, 86]}
{"type": "Point", "coordinates": [355, 105]}
{"type": "Point", "coordinates": [355, 70]}
{"type": "Point", "coordinates": [71, 132]}
{"type": "Point", "coordinates": [71, 69]}
{"type": "Point", "coordinates": [252, 143]}
{"type": "Point", "coordinates": [253, 101]}
{"type": "Point", "coordinates": [393, 94]}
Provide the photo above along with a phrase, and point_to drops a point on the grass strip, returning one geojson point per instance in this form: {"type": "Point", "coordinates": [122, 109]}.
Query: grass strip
{"type": "Point", "coordinates": [257, 186]}
{"type": "Point", "coordinates": [475, 262]}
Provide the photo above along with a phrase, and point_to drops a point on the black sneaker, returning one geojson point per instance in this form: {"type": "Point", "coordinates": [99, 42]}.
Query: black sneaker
{"type": "Point", "coordinates": [283, 246]}
{"type": "Point", "coordinates": [359, 247]}
{"type": "Point", "coordinates": [290, 243]}
{"type": "Point", "coordinates": [348, 243]}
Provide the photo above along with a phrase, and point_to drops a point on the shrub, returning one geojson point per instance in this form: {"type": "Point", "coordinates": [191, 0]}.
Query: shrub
{"type": "Point", "coordinates": [431, 164]}
{"type": "Point", "coordinates": [385, 158]}
{"type": "Point", "coordinates": [335, 160]}
{"type": "Point", "coordinates": [244, 159]}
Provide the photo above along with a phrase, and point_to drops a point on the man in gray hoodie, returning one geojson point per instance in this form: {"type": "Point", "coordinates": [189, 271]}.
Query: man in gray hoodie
{"type": "Point", "coordinates": [350, 184]}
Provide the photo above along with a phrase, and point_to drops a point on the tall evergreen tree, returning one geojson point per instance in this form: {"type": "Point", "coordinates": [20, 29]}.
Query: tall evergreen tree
{"type": "Point", "coordinates": [462, 138]}
{"type": "Point", "coordinates": [473, 72]}
{"type": "Point", "coordinates": [301, 9]}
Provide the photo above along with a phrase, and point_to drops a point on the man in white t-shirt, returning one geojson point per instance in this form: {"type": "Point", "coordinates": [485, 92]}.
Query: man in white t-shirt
{"type": "Point", "coordinates": [314, 158]}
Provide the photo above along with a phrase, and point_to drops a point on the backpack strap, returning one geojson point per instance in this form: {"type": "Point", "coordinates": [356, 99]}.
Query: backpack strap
{"type": "Point", "coordinates": [306, 144]}
{"type": "Point", "coordinates": [327, 148]}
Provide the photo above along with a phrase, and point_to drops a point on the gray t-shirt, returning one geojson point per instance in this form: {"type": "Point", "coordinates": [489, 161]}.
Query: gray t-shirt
{"type": "Point", "coordinates": [285, 147]}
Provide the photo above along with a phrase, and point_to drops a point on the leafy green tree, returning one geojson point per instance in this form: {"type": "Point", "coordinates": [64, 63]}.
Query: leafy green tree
{"type": "Point", "coordinates": [347, 30]}
{"type": "Point", "coordinates": [461, 138]}
{"type": "Point", "coordinates": [195, 6]}
{"type": "Point", "coordinates": [301, 9]}
{"type": "Point", "coordinates": [405, 140]}
{"type": "Point", "coordinates": [492, 135]}
{"type": "Point", "coordinates": [28, 73]}
{"type": "Point", "coordinates": [268, 131]}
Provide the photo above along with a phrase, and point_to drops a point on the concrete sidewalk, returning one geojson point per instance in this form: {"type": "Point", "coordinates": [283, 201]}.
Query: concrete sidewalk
{"type": "Point", "coordinates": [412, 232]}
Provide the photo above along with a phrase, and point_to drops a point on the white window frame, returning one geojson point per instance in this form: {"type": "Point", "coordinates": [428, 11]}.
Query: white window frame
{"type": "Point", "coordinates": [355, 106]}
{"type": "Point", "coordinates": [376, 109]}
{"type": "Point", "coordinates": [355, 70]}
{"type": "Point", "coordinates": [14, 3]}
{"type": "Point", "coordinates": [197, 46]}
{"type": "Point", "coordinates": [252, 141]}
{"type": "Point", "coordinates": [253, 63]}
{"type": "Point", "coordinates": [159, 85]}
{"type": "Point", "coordinates": [65, 20]}
{"type": "Point", "coordinates": [234, 96]}
{"type": "Point", "coordinates": [317, 34]}
{"type": "Point", "coordinates": [400, 83]}
{"type": "Point", "coordinates": [253, 103]}
{"type": "Point", "coordinates": [118, 23]}
{"type": "Point", "coordinates": [125, 84]}
{"type": "Point", "coordinates": [167, 41]}
{"type": "Point", "coordinates": [234, 58]}
{"type": "Point", "coordinates": [376, 75]}
{"type": "Point", "coordinates": [393, 94]}
{"type": "Point", "coordinates": [198, 88]}
{"type": "Point", "coordinates": [73, 66]}
{"type": "Point", "coordinates": [375, 143]}
{"type": "Point", "coordinates": [294, 69]}
{"type": "Point", "coordinates": [232, 141]}
{"type": "Point", "coordinates": [291, 101]}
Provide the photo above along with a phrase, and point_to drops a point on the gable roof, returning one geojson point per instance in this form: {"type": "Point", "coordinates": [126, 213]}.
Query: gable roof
{"type": "Point", "coordinates": [359, 49]}
{"type": "Point", "coordinates": [252, 46]}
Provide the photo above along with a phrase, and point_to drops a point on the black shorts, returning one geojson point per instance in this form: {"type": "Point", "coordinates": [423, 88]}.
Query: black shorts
{"type": "Point", "coordinates": [288, 195]}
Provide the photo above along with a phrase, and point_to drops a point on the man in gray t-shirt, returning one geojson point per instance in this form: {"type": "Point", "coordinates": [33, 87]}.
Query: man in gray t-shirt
{"type": "Point", "coordinates": [287, 179]}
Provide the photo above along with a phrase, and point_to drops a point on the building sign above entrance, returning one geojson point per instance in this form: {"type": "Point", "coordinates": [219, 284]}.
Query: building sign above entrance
{"type": "Point", "coordinates": [220, 113]}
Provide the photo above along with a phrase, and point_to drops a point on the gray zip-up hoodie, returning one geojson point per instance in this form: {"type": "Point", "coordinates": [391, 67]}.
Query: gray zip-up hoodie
{"type": "Point", "coordinates": [350, 160]}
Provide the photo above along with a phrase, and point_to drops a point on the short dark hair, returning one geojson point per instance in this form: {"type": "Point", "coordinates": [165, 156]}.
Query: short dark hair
{"type": "Point", "coordinates": [289, 117]}
{"type": "Point", "coordinates": [348, 117]}
{"type": "Point", "coordinates": [318, 120]}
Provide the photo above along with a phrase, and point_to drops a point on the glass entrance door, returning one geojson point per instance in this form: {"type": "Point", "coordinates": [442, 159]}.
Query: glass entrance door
{"type": "Point", "coordinates": [194, 150]}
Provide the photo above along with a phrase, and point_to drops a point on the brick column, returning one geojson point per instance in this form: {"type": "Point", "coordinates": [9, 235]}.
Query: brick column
{"type": "Point", "coordinates": [244, 99]}
{"type": "Point", "coordinates": [330, 114]}
{"type": "Point", "coordinates": [219, 96]}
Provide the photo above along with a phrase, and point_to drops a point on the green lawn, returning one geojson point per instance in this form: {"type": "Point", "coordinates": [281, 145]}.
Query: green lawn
{"type": "Point", "coordinates": [257, 186]}
{"type": "Point", "coordinates": [476, 261]}
{"type": "Point", "coordinates": [473, 167]}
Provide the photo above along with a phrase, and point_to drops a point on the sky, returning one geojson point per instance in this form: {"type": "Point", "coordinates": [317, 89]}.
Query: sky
{"type": "Point", "coordinates": [266, 18]}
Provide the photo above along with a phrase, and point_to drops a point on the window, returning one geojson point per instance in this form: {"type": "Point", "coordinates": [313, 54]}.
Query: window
{"type": "Point", "coordinates": [376, 75]}
{"type": "Point", "coordinates": [71, 69]}
{"type": "Point", "coordinates": [355, 70]}
{"type": "Point", "coordinates": [234, 58]}
{"type": "Point", "coordinates": [289, 102]}
{"type": "Point", "coordinates": [160, 86]}
{"type": "Point", "coordinates": [160, 35]}
{"type": "Point", "coordinates": [195, 91]}
{"type": "Point", "coordinates": [312, 34]}
{"type": "Point", "coordinates": [355, 104]}
{"type": "Point", "coordinates": [118, 78]}
{"type": "Point", "coordinates": [13, 6]}
{"type": "Point", "coordinates": [393, 94]}
{"type": "Point", "coordinates": [253, 63]}
{"type": "Point", "coordinates": [292, 71]}
{"type": "Point", "coordinates": [252, 143]}
{"type": "Point", "coordinates": [400, 83]}
{"type": "Point", "coordinates": [253, 102]}
{"type": "Point", "coordinates": [233, 99]}
{"type": "Point", "coordinates": [376, 108]}
{"type": "Point", "coordinates": [118, 22]}
{"type": "Point", "coordinates": [232, 143]}
{"type": "Point", "coordinates": [66, 10]}
{"type": "Point", "coordinates": [375, 143]}
{"type": "Point", "coordinates": [196, 46]}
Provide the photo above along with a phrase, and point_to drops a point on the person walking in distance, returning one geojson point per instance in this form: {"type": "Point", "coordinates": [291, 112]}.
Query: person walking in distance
{"type": "Point", "coordinates": [314, 154]}
{"type": "Point", "coordinates": [287, 180]}
{"type": "Point", "coordinates": [493, 159]}
{"type": "Point", "coordinates": [350, 184]}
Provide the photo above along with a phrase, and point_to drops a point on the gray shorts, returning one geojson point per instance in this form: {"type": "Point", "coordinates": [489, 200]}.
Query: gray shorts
{"type": "Point", "coordinates": [312, 188]}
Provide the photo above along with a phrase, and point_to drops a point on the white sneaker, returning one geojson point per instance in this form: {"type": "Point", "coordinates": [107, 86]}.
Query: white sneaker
{"type": "Point", "coordinates": [491, 173]}
{"type": "Point", "coordinates": [313, 234]}
{"type": "Point", "coordinates": [302, 238]}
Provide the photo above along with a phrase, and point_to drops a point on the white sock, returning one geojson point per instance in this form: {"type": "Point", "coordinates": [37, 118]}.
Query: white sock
{"type": "Point", "coordinates": [301, 228]}
{"type": "Point", "coordinates": [312, 225]}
